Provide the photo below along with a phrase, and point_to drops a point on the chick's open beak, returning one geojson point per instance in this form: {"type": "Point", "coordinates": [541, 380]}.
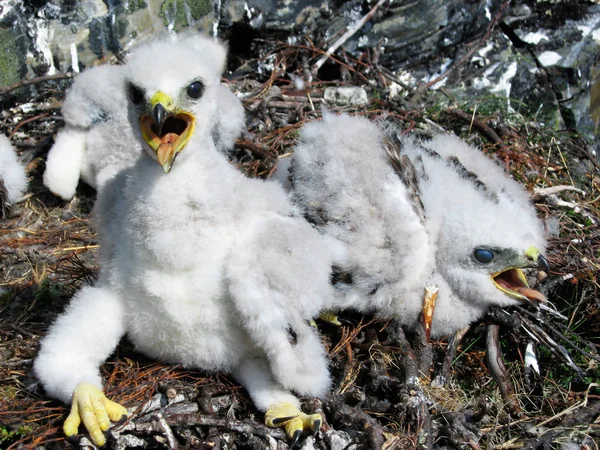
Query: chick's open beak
{"type": "Point", "coordinates": [512, 280]}
{"type": "Point", "coordinates": [167, 129]}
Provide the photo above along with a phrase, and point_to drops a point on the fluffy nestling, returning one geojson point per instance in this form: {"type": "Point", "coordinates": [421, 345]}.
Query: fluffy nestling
{"type": "Point", "coordinates": [416, 214]}
{"type": "Point", "coordinates": [98, 141]}
{"type": "Point", "coordinates": [199, 265]}
{"type": "Point", "coordinates": [13, 181]}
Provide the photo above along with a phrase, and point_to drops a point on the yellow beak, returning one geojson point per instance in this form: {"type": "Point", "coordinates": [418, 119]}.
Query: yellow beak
{"type": "Point", "coordinates": [167, 130]}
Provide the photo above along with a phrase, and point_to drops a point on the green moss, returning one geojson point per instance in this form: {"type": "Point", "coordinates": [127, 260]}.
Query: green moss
{"type": "Point", "coordinates": [10, 59]}
{"type": "Point", "coordinates": [48, 293]}
{"type": "Point", "coordinates": [8, 435]}
{"type": "Point", "coordinates": [179, 12]}
{"type": "Point", "coordinates": [134, 5]}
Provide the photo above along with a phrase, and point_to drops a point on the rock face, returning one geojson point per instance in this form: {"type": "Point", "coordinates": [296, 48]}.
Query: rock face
{"type": "Point", "coordinates": [538, 59]}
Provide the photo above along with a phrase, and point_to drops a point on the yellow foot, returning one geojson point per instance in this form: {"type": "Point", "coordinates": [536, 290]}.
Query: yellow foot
{"type": "Point", "coordinates": [330, 317]}
{"type": "Point", "coordinates": [95, 410]}
{"type": "Point", "coordinates": [294, 421]}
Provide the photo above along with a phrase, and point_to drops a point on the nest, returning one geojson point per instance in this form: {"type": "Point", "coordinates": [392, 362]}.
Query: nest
{"type": "Point", "coordinates": [391, 390]}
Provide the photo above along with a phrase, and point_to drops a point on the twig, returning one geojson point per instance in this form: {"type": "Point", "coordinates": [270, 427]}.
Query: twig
{"type": "Point", "coordinates": [171, 441]}
{"type": "Point", "coordinates": [26, 121]}
{"type": "Point", "coordinates": [444, 374]}
{"type": "Point", "coordinates": [316, 66]}
{"type": "Point", "coordinates": [563, 336]}
{"type": "Point", "coordinates": [557, 349]}
{"type": "Point", "coordinates": [248, 427]}
{"type": "Point", "coordinates": [342, 412]}
{"type": "Point", "coordinates": [261, 151]}
{"type": "Point", "coordinates": [539, 193]}
{"type": "Point", "coordinates": [24, 83]}
{"type": "Point", "coordinates": [584, 414]}
{"type": "Point", "coordinates": [493, 359]}
{"type": "Point", "coordinates": [481, 126]}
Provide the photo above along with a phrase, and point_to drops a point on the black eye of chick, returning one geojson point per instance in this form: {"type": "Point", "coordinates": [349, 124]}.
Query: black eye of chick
{"type": "Point", "coordinates": [195, 90]}
{"type": "Point", "coordinates": [483, 256]}
{"type": "Point", "coordinates": [136, 95]}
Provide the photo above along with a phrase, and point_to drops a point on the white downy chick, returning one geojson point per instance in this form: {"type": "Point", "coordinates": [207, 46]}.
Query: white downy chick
{"type": "Point", "coordinates": [413, 215]}
{"type": "Point", "coordinates": [97, 141]}
{"type": "Point", "coordinates": [13, 180]}
{"type": "Point", "coordinates": [199, 265]}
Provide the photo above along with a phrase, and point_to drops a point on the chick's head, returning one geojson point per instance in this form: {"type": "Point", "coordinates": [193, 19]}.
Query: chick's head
{"type": "Point", "coordinates": [171, 86]}
{"type": "Point", "coordinates": [486, 233]}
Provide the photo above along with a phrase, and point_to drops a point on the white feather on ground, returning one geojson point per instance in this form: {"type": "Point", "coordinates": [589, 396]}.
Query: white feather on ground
{"type": "Point", "coordinates": [345, 182]}
{"type": "Point", "coordinates": [200, 266]}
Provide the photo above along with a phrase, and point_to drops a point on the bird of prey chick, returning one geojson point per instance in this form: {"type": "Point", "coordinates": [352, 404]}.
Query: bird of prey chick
{"type": "Point", "coordinates": [199, 265]}
{"type": "Point", "coordinates": [13, 180]}
{"type": "Point", "coordinates": [97, 141]}
{"type": "Point", "coordinates": [416, 214]}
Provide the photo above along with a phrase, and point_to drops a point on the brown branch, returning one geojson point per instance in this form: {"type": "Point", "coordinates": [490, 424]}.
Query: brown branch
{"type": "Point", "coordinates": [32, 81]}
{"type": "Point", "coordinates": [495, 364]}
{"type": "Point", "coordinates": [444, 373]}
{"type": "Point", "coordinates": [26, 121]}
{"type": "Point", "coordinates": [257, 150]}
{"type": "Point", "coordinates": [483, 128]}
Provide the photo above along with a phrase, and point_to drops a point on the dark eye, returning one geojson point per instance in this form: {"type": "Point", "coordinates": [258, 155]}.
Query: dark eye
{"type": "Point", "coordinates": [136, 94]}
{"type": "Point", "coordinates": [483, 256]}
{"type": "Point", "coordinates": [195, 90]}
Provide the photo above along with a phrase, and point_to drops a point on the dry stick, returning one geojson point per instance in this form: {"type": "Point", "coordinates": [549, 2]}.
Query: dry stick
{"type": "Point", "coordinates": [481, 126]}
{"type": "Point", "coordinates": [24, 83]}
{"type": "Point", "coordinates": [441, 379]}
{"type": "Point", "coordinates": [493, 359]}
{"type": "Point", "coordinates": [247, 427]}
{"type": "Point", "coordinates": [583, 416]}
{"type": "Point", "coordinates": [23, 122]}
{"type": "Point", "coordinates": [470, 53]}
{"type": "Point", "coordinates": [557, 349]}
{"type": "Point", "coordinates": [316, 66]}
{"type": "Point", "coordinates": [416, 402]}
{"type": "Point", "coordinates": [341, 412]}
{"type": "Point", "coordinates": [259, 150]}
{"type": "Point", "coordinates": [166, 429]}
{"type": "Point", "coordinates": [563, 336]}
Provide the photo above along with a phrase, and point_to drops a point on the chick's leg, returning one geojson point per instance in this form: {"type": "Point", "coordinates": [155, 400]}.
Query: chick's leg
{"type": "Point", "coordinates": [282, 408]}
{"type": "Point", "coordinates": [70, 354]}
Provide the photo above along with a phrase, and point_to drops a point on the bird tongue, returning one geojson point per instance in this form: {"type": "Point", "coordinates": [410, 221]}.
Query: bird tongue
{"type": "Point", "coordinates": [166, 147]}
{"type": "Point", "coordinates": [511, 281]}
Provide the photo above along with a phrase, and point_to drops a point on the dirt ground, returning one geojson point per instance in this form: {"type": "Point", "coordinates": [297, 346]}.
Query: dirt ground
{"type": "Point", "coordinates": [48, 248]}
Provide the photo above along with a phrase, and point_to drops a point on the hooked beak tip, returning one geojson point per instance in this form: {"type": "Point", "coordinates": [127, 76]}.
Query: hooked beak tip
{"type": "Point", "coordinates": [543, 263]}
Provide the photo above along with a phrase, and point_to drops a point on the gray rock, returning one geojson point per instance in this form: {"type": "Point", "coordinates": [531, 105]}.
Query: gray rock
{"type": "Point", "coordinates": [345, 96]}
{"type": "Point", "coordinates": [339, 440]}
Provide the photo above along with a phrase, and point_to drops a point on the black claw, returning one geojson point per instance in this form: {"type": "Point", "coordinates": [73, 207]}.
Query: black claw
{"type": "Point", "coordinates": [279, 420]}
{"type": "Point", "coordinates": [543, 263]}
{"type": "Point", "coordinates": [122, 420]}
{"type": "Point", "coordinates": [74, 440]}
{"type": "Point", "coordinates": [295, 438]}
{"type": "Point", "coordinates": [316, 427]}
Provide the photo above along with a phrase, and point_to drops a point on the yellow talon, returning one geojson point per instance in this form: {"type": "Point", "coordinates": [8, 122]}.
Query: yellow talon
{"type": "Point", "coordinates": [329, 317]}
{"type": "Point", "coordinates": [293, 420]}
{"type": "Point", "coordinates": [91, 406]}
